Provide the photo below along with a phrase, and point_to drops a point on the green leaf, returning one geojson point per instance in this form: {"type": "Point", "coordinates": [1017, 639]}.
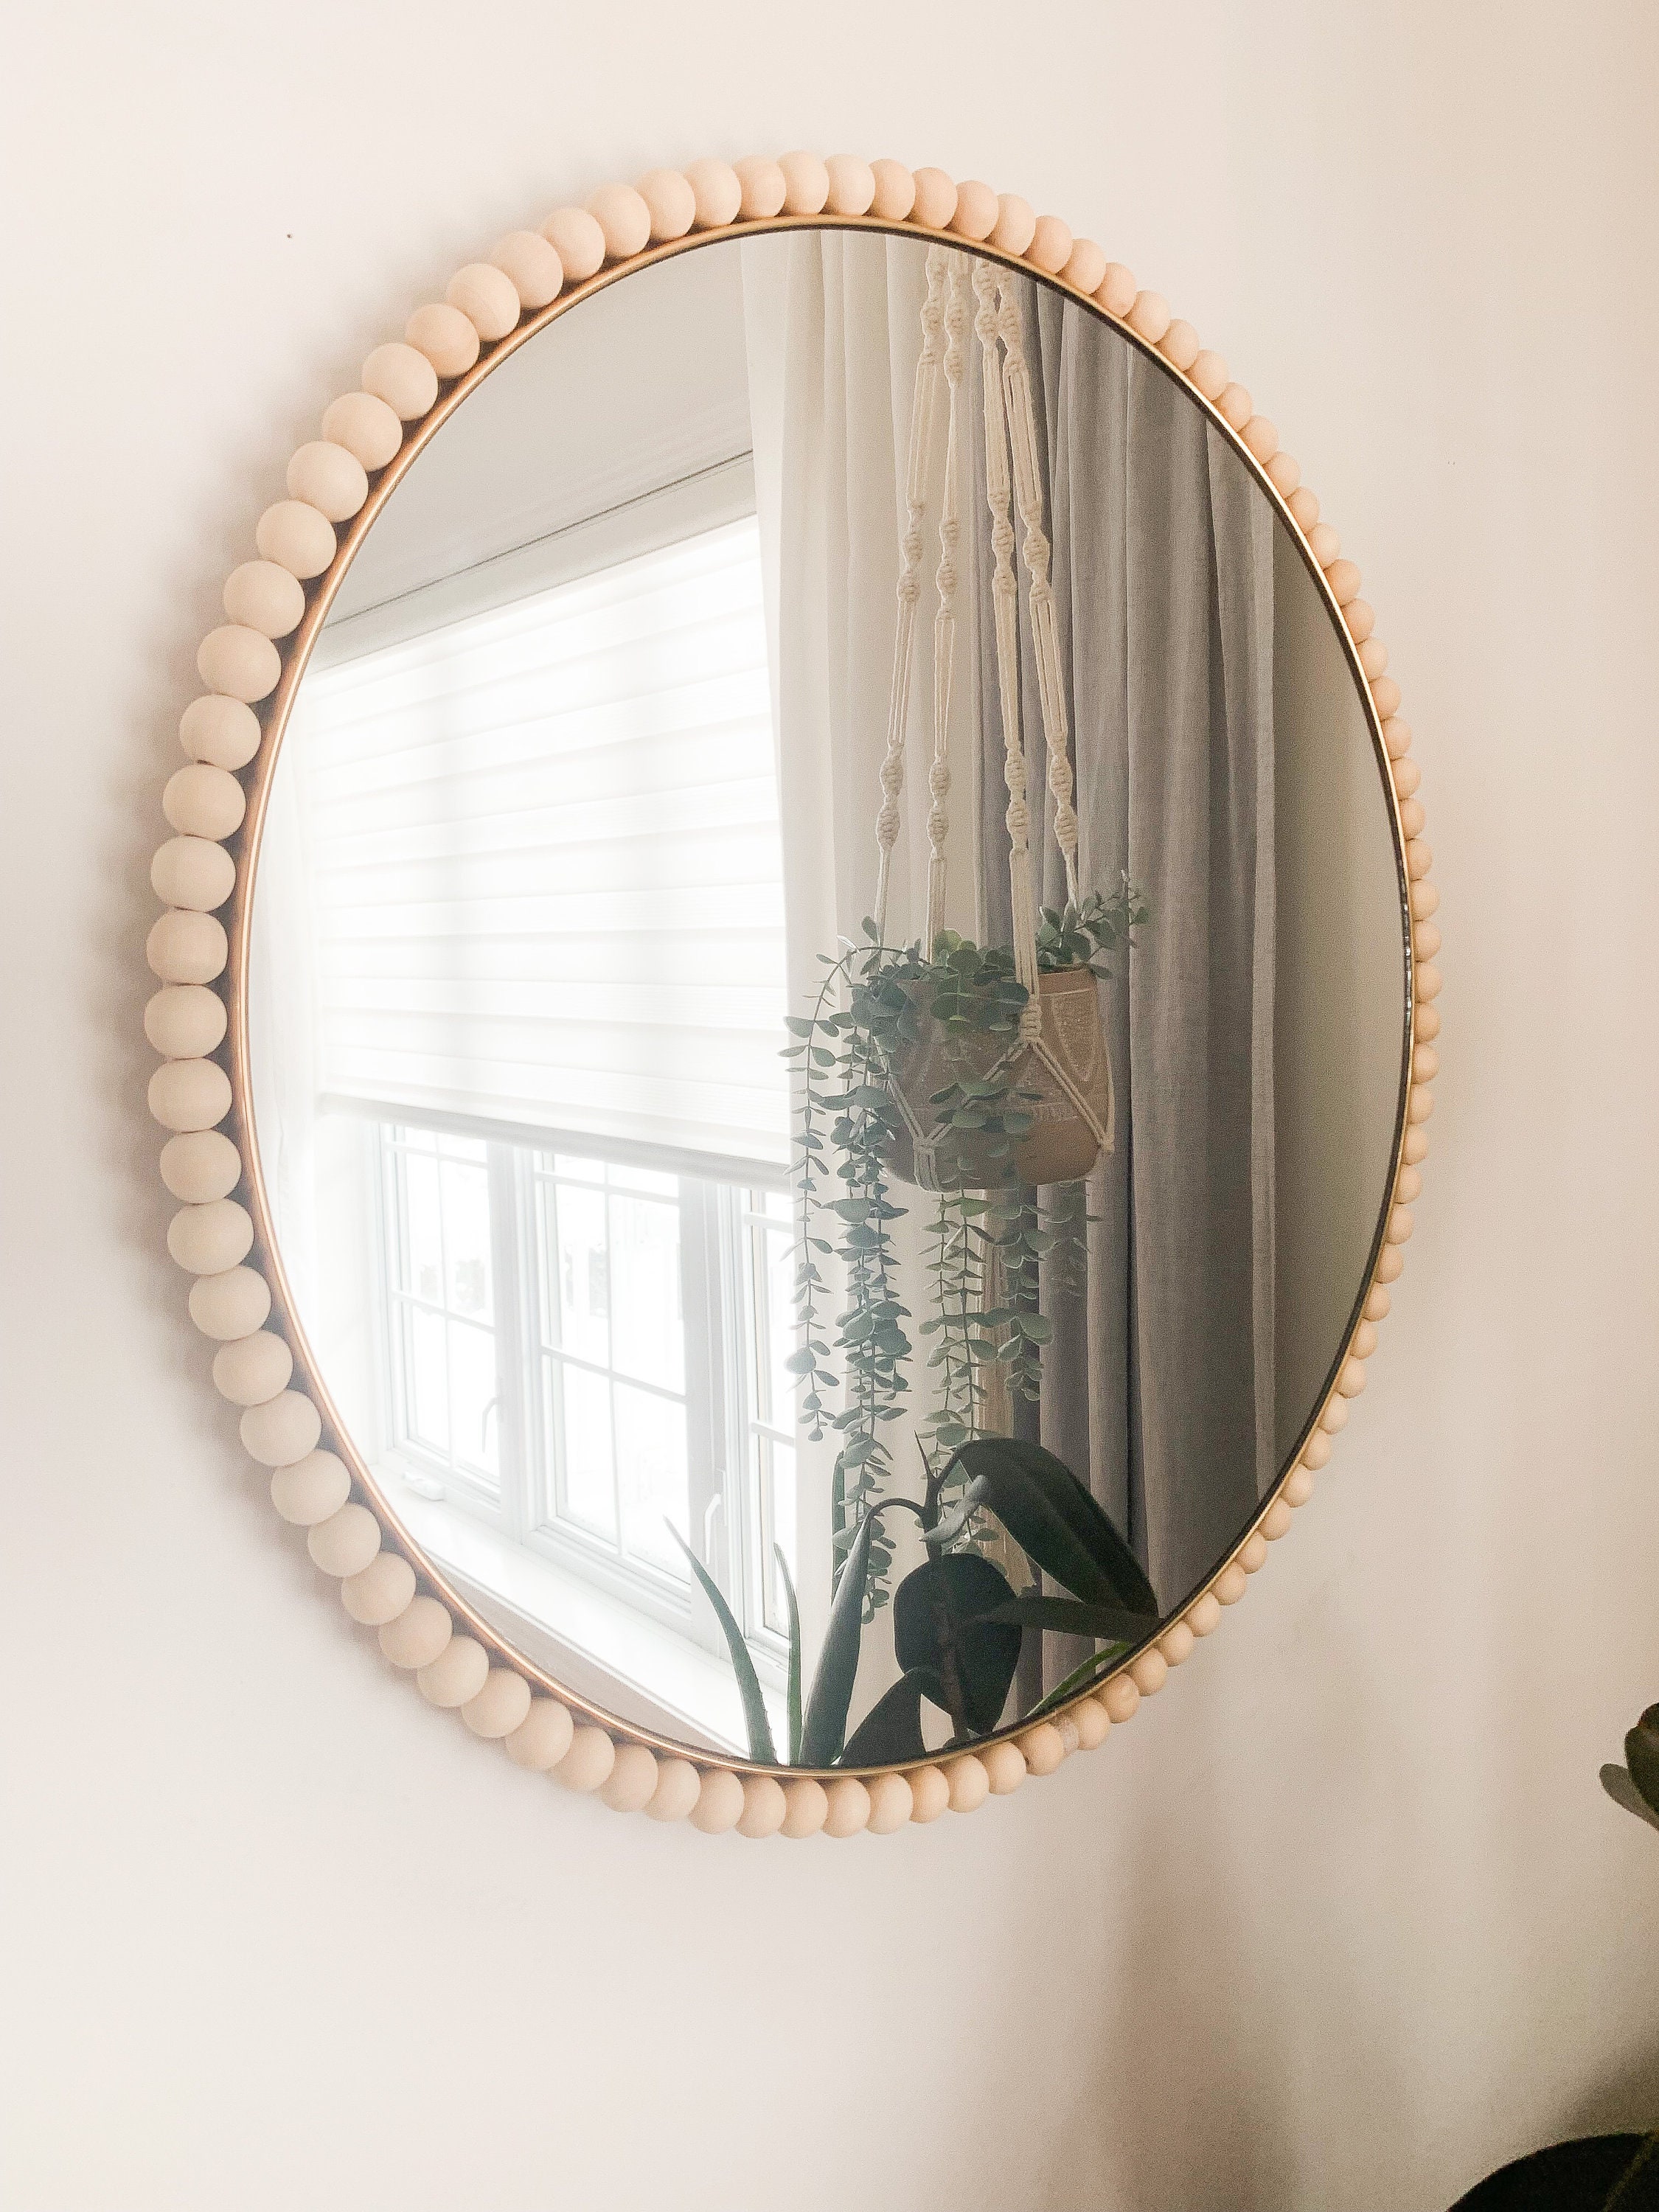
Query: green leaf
{"type": "Point", "coordinates": [743, 1666]}
{"type": "Point", "coordinates": [1616, 1781]}
{"type": "Point", "coordinates": [1055, 1521]}
{"type": "Point", "coordinates": [1092, 1670]}
{"type": "Point", "coordinates": [1069, 1616]}
{"type": "Point", "coordinates": [945, 1624]}
{"type": "Point", "coordinates": [823, 1729]}
{"type": "Point", "coordinates": [891, 1729]}
{"type": "Point", "coordinates": [1642, 1756]}
{"type": "Point", "coordinates": [792, 1692]}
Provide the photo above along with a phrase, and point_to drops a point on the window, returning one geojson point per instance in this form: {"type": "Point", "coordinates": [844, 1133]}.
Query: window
{"type": "Point", "coordinates": [649, 1313]}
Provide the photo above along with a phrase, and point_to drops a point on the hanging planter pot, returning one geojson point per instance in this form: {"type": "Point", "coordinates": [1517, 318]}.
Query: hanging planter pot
{"type": "Point", "coordinates": [1059, 1082]}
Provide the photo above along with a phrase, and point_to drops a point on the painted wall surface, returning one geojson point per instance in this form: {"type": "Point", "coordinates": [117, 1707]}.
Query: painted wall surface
{"type": "Point", "coordinates": [1343, 1919]}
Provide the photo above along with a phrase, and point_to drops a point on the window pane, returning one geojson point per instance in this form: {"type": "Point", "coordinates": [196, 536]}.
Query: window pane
{"type": "Point", "coordinates": [583, 1272]}
{"type": "Point", "coordinates": [585, 1437]}
{"type": "Point", "coordinates": [648, 1334]}
{"type": "Point", "coordinates": [779, 1261]}
{"type": "Point", "coordinates": [462, 1148]}
{"type": "Point", "coordinates": [475, 1429]}
{"type": "Point", "coordinates": [424, 1259]}
{"type": "Point", "coordinates": [427, 1394]}
{"type": "Point", "coordinates": [645, 1179]}
{"type": "Point", "coordinates": [466, 1239]}
{"type": "Point", "coordinates": [651, 1463]}
{"type": "Point", "coordinates": [566, 1163]}
{"type": "Point", "coordinates": [779, 1461]}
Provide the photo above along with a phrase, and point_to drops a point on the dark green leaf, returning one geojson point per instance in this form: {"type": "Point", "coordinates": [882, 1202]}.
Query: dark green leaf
{"type": "Point", "coordinates": [823, 1729]}
{"type": "Point", "coordinates": [1056, 1522]}
{"type": "Point", "coordinates": [891, 1729]}
{"type": "Point", "coordinates": [944, 1624]}
{"type": "Point", "coordinates": [761, 1746]}
{"type": "Point", "coordinates": [1616, 1781]}
{"type": "Point", "coordinates": [792, 1691]}
{"type": "Point", "coordinates": [1069, 1616]}
{"type": "Point", "coordinates": [1642, 1756]}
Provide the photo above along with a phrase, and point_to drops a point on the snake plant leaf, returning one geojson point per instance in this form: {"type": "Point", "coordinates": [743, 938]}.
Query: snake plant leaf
{"type": "Point", "coordinates": [1081, 1678]}
{"type": "Point", "coordinates": [1642, 1756]}
{"type": "Point", "coordinates": [891, 1729]}
{"type": "Point", "coordinates": [944, 1626]}
{"type": "Point", "coordinates": [761, 1746]}
{"type": "Point", "coordinates": [823, 1728]}
{"type": "Point", "coordinates": [1069, 1616]}
{"type": "Point", "coordinates": [1057, 1522]}
{"type": "Point", "coordinates": [792, 1691]}
{"type": "Point", "coordinates": [1616, 1781]}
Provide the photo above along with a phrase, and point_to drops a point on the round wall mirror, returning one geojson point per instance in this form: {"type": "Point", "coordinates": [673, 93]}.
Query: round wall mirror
{"type": "Point", "coordinates": [821, 999]}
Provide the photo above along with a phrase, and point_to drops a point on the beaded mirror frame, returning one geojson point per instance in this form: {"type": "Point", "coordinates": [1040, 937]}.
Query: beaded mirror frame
{"type": "Point", "coordinates": [222, 1235]}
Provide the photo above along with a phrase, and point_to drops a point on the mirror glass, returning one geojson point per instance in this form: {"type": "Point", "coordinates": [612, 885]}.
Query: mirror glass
{"type": "Point", "coordinates": [787, 1172]}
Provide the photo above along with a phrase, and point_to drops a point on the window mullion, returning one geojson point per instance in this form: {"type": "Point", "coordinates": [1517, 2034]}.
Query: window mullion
{"type": "Point", "coordinates": [508, 1291]}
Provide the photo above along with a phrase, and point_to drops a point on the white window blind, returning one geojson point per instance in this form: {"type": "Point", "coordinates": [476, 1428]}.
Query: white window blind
{"type": "Point", "coordinates": [544, 862]}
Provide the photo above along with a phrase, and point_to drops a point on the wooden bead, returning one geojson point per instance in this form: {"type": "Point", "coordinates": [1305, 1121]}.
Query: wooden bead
{"type": "Point", "coordinates": [1203, 1615]}
{"type": "Point", "coordinates": [851, 186]}
{"type": "Point", "coordinates": [448, 338]}
{"type": "Point", "coordinates": [716, 194]}
{"type": "Point", "coordinates": [489, 299]}
{"type": "Point", "coordinates": [1416, 1146]}
{"type": "Point", "coordinates": [456, 1675]}
{"type": "Point", "coordinates": [1316, 1452]}
{"type": "Point", "coordinates": [1284, 474]}
{"type": "Point", "coordinates": [201, 1164]}
{"type": "Point", "coordinates": [251, 1369]}
{"type": "Point", "coordinates": [806, 1808]}
{"type": "Point", "coordinates": [1407, 776]}
{"type": "Point", "coordinates": [1179, 345]}
{"type": "Point", "coordinates": [1427, 1021]}
{"type": "Point", "coordinates": [189, 1094]}
{"type": "Point", "coordinates": [1121, 1698]}
{"type": "Point", "coordinates": [1016, 223]}
{"type": "Point", "coordinates": [1087, 266]}
{"type": "Point", "coordinates": [847, 1811]}
{"type": "Point", "coordinates": [1407, 1188]}
{"type": "Point", "coordinates": [1343, 578]}
{"type": "Point", "coordinates": [404, 378]}
{"type": "Point", "coordinates": [1066, 1727]}
{"type": "Point", "coordinates": [1150, 1671]}
{"type": "Point", "coordinates": [977, 210]}
{"type": "Point", "coordinates": [1373, 658]}
{"type": "Point", "coordinates": [1208, 373]}
{"type": "Point", "coordinates": [185, 1021]}
{"type": "Point", "coordinates": [578, 241]}
{"type": "Point", "coordinates": [1391, 1265]}
{"type": "Point", "coordinates": [293, 535]}
{"type": "Point", "coordinates": [1117, 290]}
{"type": "Point", "coordinates": [589, 1760]}
{"type": "Point", "coordinates": [1363, 1343]}
{"type": "Point", "coordinates": [379, 1592]}
{"type": "Point", "coordinates": [1041, 1749]}
{"type": "Point", "coordinates": [542, 1737]}
{"type": "Point", "coordinates": [224, 733]}
{"type": "Point", "coordinates": [418, 1635]}
{"type": "Point", "coordinates": [1276, 1521]}
{"type": "Point", "coordinates": [764, 1806]}
{"type": "Point", "coordinates": [1385, 696]}
{"type": "Point", "coordinates": [238, 662]}
{"type": "Point", "coordinates": [312, 1489]}
{"type": "Point", "coordinates": [1401, 1222]}
{"type": "Point", "coordinates": [1051, 247]}
{"type": "Point", "coordinates": [669, 202]}
{"type": "Point", "coordinates": [1176, 1644]}
{"type": "Point", "coordinates": [233, 1303]}
{"type": "Point", "coordinates": [1352, 1380]}
{"type": "Point", "coordinates": [1237, 406]}
{"type": "Point", "coordinates": [935, 203]}
{"type": "Point", "coordinates": [805, 182]}
{"type": "Point", "coordinates": [892, 1802]}
{"type": "Point", "coordinates": [720, 1802]}
{"type": "Point", "coordinates": [1378, 1303]}
{"type": "Point", "coordinates": [1298, 1486]}
{"type": "Point", "coordinates": [929, 1794]}
{"type": "Point", "coordinates": [678, 1785]}
{"type": "Point", "coordinates": [1304, 508]}
{"type": "Point", "coordinates": [531, 266]}
{"type": "Point", "coordinates": [1426, 1064]}
{"type": "Point", "coordinates": [344, 1543]}
{"type": "Point", "coordinates": [1333, 1415]}
{"type": "Point", "coordinates": [1149, 316]}
{"type": "Point", "coordinates": [1093, 1727]}
{"type": "Point", "coordinates": [1419, 859]}
{"type": "Point", "coordinates": [969, 1784]}
{"type": "Point", "coordinates": [1262, 436]}
{"type": "Point", "coordinates": [761, 181]}
{"type": "Point", "coordinates": [1426, 901]}
{"type": "Point", "coordinates": [500, 1706]}
{"type": "Point", "coordinates": [632, 1782]}
{"type": "Point", "coordinates": [624, 219]}
{"type": "Point", "coordinates": [327, 476]}
{"type": "Point", "coordinates": [1360, 619]}
{"type": "Point", "coordinates": [261, 595]}
{"type": "Point", "coordinates": [204, 802]}
{"type": "Point", "coordinates": [282, 1429]}
{"type": "Point", "coordinates": [1396, 738]}
{"type": "Point", "coordinates": [1323, 544]}
{"type": "Point", "coordinates": [893, 201]}
{"type": "Point", "coordinates": [1411, 818]}
{"type": "Point", "coordinates": [1230, 1584]}
{"type": "Point", "coordinates": [194, 872]}
{"type": "Point", "coordinates": [367, 428]}
{"type": "Point", "coordinates": [1253, 1553]}
{"type": "Point", "coordinates": [1004, 1767]}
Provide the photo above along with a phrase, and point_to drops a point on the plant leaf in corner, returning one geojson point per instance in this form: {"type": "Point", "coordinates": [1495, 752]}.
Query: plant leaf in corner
{"type": "Point", "coordinates": [823, 1729]}
{"type": "Point", "coordinates": [891, 1729]}
{"type": "Point", "coordinates": [761, 1746]}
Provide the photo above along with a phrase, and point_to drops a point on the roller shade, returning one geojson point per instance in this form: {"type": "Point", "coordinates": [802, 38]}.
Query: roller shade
{"type": "Point", "coordinates": [543, 865]}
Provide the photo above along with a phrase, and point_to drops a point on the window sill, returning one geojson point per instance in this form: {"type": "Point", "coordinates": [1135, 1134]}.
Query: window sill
{"type": "Point", "coordinates": [603, 1649]}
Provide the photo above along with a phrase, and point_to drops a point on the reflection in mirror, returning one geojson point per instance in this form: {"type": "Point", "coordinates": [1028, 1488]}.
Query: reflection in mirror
{"type": "Point", "coordinates": [827, 997]}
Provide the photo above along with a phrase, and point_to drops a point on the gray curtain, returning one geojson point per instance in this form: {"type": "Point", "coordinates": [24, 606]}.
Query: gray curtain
{"type": "Point", "coordinates": [1159, 1381]}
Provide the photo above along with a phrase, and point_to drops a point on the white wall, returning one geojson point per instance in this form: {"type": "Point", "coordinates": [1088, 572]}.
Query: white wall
{"type": "Point", "coordinates": [1343, 1918]}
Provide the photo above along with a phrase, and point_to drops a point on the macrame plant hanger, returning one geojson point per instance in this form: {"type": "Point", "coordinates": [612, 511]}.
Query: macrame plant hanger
{"type": "Point", "coordinates": [1058, 1027]}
